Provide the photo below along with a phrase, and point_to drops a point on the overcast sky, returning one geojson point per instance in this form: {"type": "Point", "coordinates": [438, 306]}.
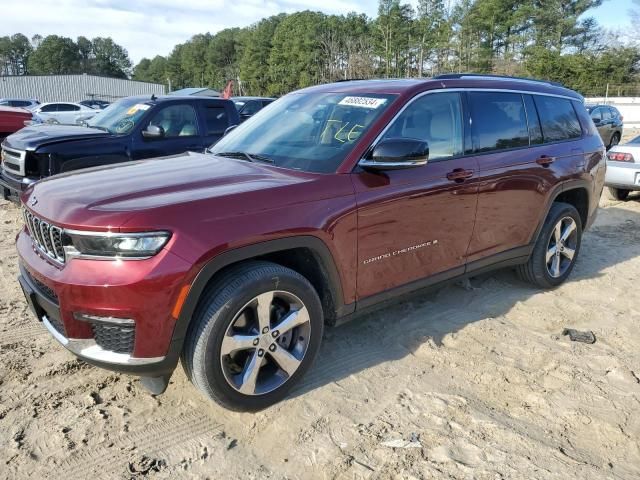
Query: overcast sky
{"type": "Point", "coordinates": [150, 27]}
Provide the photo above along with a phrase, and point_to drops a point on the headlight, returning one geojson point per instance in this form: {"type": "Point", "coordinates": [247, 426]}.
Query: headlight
{"type": "Point", "coordinates": [111, 245]}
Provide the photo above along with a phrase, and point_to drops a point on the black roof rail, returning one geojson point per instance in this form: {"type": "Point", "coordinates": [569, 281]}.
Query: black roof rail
{"type": "Point", "coordinates": [454, 76]}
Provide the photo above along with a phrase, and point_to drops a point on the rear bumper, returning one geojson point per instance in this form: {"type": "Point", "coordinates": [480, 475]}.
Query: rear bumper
{"type": "Point", "coordinates": [623, 175]}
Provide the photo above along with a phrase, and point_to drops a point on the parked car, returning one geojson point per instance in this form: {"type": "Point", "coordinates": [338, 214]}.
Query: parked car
{"type": "Point", "coordinates": [249, 106]}
{"type": "Point", "coordinates": [95, 104]}
{"type": "Point", "coordinates": [608, 121]}
{"type": "Point", "coordinates": [130, 129]}
{"type": "Point", "coordinates": [334, 199]}
{"type": "Point", "coordinates": [63, 113]}
{"type": "Point", "coordinates": [623, 169]}
{"type": "Point", "coordinates": [12, 119]}
{"type": "Point", "coordinates": [19, 102]}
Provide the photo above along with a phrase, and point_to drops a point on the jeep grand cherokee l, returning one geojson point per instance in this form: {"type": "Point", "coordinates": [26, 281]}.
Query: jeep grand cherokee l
{"type": "Point", "coordinates": [130, 129]}
{"type": "Point", "coordinates": [334, 198]}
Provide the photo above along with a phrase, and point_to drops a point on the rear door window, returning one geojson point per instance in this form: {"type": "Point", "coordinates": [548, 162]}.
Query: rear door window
{"type": "Point", "coordinates": [434, 118]}
{"type": "Point", "coordinates": [49, 108]}
{"type": "Point", "coordinates": [558, 119]}
{"type": "Point", "coordinates": [67, 107]}
{"type": "Point", "coordinates": [499, 121]}
{"type": "Point", "coordinates": [216, 120]}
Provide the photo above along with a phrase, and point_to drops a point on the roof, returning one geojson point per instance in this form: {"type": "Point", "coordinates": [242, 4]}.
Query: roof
{"type": "Point", "coordinates": [247, 98]}
{"type": "Point", "coordinates": [208, 92]}
{"type": "Point", "coordinates": [415, 85]}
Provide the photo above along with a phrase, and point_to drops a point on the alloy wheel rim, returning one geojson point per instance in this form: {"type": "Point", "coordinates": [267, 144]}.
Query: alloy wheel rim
{"type": "Point", "coordinates": [561, 249]}
{"type": "Point", "coordinates": [265, 343]}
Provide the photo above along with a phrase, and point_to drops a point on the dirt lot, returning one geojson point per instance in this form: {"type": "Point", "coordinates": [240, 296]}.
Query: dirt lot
{"type": "Point", "coordinates": [473, 381]}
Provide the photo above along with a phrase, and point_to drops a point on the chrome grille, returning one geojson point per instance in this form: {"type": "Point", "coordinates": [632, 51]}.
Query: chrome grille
{"type": "Point", "coordinates": [45, 236]}
{"type": "Point", "coordinates": [13, 160]}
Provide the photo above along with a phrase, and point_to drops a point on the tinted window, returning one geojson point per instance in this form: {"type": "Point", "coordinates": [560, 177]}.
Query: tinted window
{"type": "Point", "coordinates": [251, 107]}
{"type": "Point", "coordinates": [67, 107]}
{"type": "Point", "coordinates": [266, 102]}
{"type": "Point", "coordinates": [216, 119]}
{"type": "Point", "coordinates": [499, 121]}
{"type": "Point", "coordinates": [49, 108]}
{"type": "Point", "coordinates": [4, 103]}
{"type": "Point", "coordinates": [596, 115]}
{"type": "Point", "coordinates": [558, 118]}
{"type": "Point", "coordinates": [535, 132]}
{"type": "Point", "coordinates": [434, 118]}
{"type": "Point", "coordinates": [177, 121]}
{"type": "Point", "coordinates": [606, 114]}
{"type": "Point", "coordinates": [585, 119]}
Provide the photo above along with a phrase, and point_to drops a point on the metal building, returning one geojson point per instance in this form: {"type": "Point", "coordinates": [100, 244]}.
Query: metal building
{"type": "Point", "coordinates": [74, 88]}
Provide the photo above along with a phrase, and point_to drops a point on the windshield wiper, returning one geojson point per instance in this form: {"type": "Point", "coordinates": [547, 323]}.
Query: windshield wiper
{"type": "Point", "coordinates": [251, 157]}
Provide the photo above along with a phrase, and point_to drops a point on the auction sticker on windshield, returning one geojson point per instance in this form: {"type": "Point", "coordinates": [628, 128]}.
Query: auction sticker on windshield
{"type": "Point", "coordinates": [364, 102]}
{"type": "Point", "coordinates": [136, 107]}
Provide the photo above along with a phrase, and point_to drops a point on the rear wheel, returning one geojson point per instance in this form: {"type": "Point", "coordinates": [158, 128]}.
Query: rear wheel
{"type": "Point", "coordinates": [618, 193]}
{"type": "Point", "coordinates": [255, 334]}
{"type": "Point", "coordinates": [556, 249]}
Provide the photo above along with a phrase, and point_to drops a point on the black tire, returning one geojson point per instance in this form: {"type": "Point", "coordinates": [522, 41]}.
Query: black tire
{"type": "Point", "coordinates": [536, 270]}
{"type": "Point", "coordinates": [619, 193]}
{"type": "Point", "coordinates": [221, 303]}
{"type": "Point", "coordinates": [615, 140]}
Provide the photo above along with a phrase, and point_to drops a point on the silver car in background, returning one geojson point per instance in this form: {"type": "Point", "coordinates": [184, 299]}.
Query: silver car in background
{"type": "Point", "coordinates": [623, 169]}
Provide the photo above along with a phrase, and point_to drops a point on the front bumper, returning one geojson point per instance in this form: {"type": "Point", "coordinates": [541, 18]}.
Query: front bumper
{"type": "Point", "coordinates": [11, 187]}
{"type": "Point", "coordinates": [625, 175]}
{"type": "Point", "coordinates": [144, 291]}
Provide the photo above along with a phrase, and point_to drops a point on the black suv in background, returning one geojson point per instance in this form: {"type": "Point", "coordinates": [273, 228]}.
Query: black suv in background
{"type": "Point", "coordinates": [249, 106]}
{"type": "Point", "coordinates": [133, 128]}
{"type": "Point", "coordinates": [608, 121]}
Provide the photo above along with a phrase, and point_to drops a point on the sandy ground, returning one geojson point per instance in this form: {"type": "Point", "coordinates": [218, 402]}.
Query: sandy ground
{"type": "Point", "coordinates": [473, 381]}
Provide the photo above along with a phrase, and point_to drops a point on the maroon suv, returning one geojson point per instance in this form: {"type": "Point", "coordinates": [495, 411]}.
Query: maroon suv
{"type": "Point", "coordinates": [328, 201]}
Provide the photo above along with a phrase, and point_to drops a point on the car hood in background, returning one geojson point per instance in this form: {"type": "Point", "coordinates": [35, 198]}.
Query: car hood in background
{"type": "Point", "coordinates": [30, 138]}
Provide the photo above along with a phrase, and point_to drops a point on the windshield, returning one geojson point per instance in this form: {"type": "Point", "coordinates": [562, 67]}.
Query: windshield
{"type": "Point", "coordinates": [635, 140]}
{"type": "Point", "coordinates": [120, 117]}
{"type": "Point", "coordinates": [313, 132]}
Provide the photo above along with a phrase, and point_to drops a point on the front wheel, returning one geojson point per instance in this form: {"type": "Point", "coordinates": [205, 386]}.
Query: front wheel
{"type": "Point", "coordinates": [255, 333]}
{"type": "Point", "coordinates": [619, 193]}
{"type": "Point", "coordinates": [556, 249]}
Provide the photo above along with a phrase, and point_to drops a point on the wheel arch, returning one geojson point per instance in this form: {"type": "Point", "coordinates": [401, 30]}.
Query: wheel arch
{"type": "Point", "coordinates": [306, 254]}
{"type": "Point", "coordinates": [573, 192]}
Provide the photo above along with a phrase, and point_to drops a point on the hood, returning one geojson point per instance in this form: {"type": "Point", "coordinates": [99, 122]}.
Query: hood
{"type": "Point", "coordinates": [30, 138]}
{"type": "Point", "coordinates": [210, 185]}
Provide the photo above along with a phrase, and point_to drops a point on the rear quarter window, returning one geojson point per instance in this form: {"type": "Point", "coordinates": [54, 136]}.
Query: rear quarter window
{"type": "Point", "coordinates": [585, 119]}
{"type": "Point", "coordinates": [499, 121]}
{"type": "Point", "coordinates": [558, 119]}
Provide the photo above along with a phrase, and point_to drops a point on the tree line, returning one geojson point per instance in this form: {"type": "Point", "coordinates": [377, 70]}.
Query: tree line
{"type": "Point", "coordinates": [52, 55]}
{"type": "Point", "coordinates": [548, 39]}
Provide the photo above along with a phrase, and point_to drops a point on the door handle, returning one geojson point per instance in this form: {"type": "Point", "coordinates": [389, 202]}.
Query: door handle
{"type": "Point", "coordinates": [459, 174]}
{"type": "Point", "coordinates": [545, 160]}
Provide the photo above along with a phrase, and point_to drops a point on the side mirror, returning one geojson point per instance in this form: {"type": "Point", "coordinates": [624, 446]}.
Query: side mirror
{"type": "Point", "coordinates": [396, 154]}
{"type": "Point", "coordinates": [229, 130]}
{"type": "Point", "coordinates": [153, 131]}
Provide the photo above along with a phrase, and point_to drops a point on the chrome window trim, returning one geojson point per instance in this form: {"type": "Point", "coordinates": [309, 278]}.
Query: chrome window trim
{"type": "Point", "coordinates": [461, 89]}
